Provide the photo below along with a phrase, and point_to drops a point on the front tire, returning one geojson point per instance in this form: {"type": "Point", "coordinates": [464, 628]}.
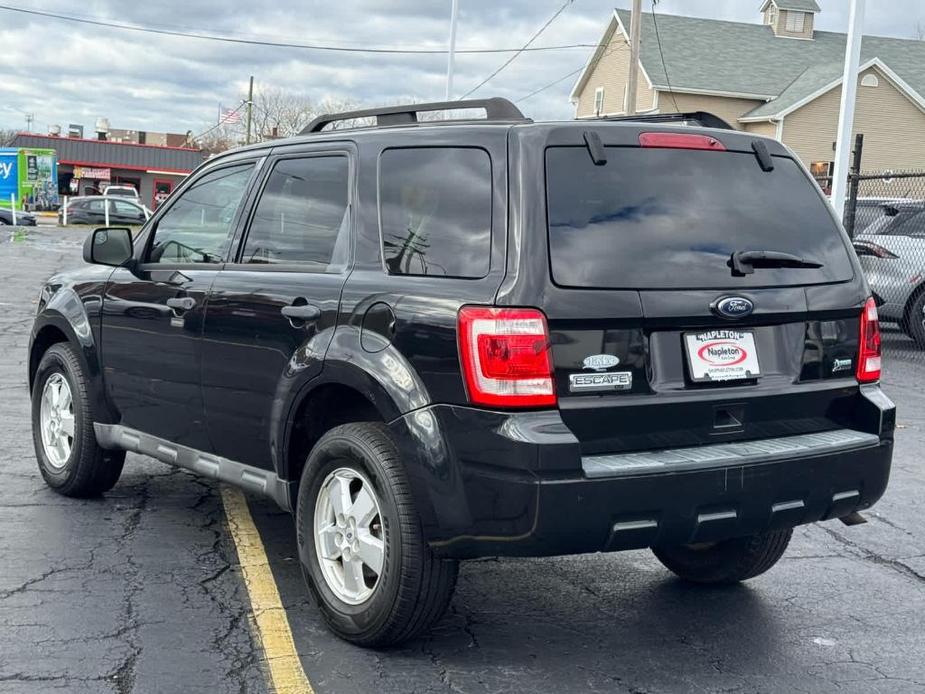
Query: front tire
{"type": "Point", "coordinates": [375, 580]}
{"type": "Point", "coordinates": [69, 458]}
{"type": "Point", "coordinates": [726, 562]}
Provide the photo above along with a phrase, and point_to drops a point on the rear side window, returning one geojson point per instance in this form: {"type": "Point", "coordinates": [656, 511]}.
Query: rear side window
{"type": "Point", "coordinates": [435, 211]}
{"type": "Point", "coordinates": [671, 218]}
{"type": "Point", "coordinates": [907, 223]}
{"type": "Point", "coordinates": [302, 215]}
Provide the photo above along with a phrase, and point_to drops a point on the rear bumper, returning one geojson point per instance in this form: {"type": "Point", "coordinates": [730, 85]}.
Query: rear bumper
{"type": "Point", "coordinates": [500, 484]}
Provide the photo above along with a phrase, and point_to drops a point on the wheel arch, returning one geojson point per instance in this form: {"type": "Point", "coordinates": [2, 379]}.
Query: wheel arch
{"type": "Point", "coordinates": [913, 297]}
{"type": "Point", "coordinates": [64, 320]}
{"type": "Point", "coordinates": [341, 394]}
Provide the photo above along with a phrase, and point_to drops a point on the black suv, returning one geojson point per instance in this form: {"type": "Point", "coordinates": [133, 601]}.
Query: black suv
{"type": "Point", "coordinates": [444, 340]}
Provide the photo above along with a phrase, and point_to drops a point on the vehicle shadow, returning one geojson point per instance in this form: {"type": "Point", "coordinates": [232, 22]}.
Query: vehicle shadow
{"type": "Point", "coordinates": [616, 622]}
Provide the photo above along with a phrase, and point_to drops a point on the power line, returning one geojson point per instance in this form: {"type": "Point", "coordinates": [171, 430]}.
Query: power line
{"type": "Point", "coordinates": [277, 44]}
{"type": "Point", "coordinates": [658, 40]}
{"type": "Point", "coordinates": [518, 53]}
{"type": "Point", "coordinates": [588, 66]}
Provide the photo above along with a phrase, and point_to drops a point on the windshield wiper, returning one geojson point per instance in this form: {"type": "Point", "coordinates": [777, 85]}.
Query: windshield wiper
{"type": "Point", "coordinates": [744, 262]}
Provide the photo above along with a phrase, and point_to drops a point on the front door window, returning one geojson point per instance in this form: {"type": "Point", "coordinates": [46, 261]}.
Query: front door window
{"type": "Point", "coordinates": [197, 227]}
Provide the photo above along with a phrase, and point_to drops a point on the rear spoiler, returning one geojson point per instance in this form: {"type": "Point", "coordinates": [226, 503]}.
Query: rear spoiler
{"type": "Point", "coordinates": [700, 119]}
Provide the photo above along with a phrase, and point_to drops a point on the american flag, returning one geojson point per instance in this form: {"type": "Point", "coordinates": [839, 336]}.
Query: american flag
{"type": "Point", "coordinates": [228, 115]}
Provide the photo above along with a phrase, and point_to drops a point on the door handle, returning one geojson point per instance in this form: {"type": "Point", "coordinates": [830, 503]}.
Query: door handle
{"type": "Point", "coordinates": [303, 312]}
{"type": "Point", "coordinates": [181, 303]}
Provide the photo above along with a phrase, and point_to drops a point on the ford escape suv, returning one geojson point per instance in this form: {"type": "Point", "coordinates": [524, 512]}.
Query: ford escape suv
{"type": "Point", "coordinates": [438, 341]}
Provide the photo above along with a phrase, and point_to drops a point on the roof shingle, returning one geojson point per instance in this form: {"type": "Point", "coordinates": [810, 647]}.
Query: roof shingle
{"type": "Point", "coordinates": [801, 5]}
{"type": "Point", "coordinates": [737, 58]}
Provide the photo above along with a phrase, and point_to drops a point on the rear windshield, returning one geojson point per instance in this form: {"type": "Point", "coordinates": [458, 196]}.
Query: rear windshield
{"type": "Point", "coordinates": [670, 218]}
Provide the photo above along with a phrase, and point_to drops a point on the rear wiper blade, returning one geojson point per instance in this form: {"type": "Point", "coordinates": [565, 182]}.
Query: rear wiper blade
{"type": "Point", "coordinates": [744, 262]}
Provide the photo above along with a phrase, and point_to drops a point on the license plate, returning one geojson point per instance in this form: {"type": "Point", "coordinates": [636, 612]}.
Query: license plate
{"type": "Point", "coordinates": [722, 355]}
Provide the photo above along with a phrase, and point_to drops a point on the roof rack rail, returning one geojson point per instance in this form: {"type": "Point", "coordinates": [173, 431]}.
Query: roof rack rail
{"type": "Point", "coordinates": [701, 118]}
{"type": "Point", "coordinates": [496, 109]}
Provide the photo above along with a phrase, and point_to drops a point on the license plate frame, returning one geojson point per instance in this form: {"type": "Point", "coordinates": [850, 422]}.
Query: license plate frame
{"type": "Point", "coordinates": [721, 356]}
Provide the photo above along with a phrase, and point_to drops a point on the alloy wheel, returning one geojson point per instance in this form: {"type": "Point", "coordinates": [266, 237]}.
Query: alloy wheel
{"type": "Point", "coordinates": [349, 535]}
{"type": "Point", "coordinates": [57, 420]}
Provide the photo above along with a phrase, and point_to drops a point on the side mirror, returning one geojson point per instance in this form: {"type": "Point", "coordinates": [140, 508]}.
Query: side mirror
{"type": "Point", "coordinates": [108, 246]}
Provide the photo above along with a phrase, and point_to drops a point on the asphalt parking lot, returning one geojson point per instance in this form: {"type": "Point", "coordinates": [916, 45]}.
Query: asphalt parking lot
{"type": "Point", "coordinates": [141, 591]}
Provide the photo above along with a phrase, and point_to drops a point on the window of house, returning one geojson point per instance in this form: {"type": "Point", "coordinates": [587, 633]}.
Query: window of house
{"type": "Point", "coordinates": [435, 211]}
{"type": "Point", "coordinates": [795, 21]}
{"type": "Point", "coordinates": [302, 215]}
{"type": "Point", "coordinates": [870, 80]}
{"type": "Point", "coordinates": [822, 172]}
{"type": "Point", "coordinates": [598, 101]}
{"type": "Point", "coordinates": [772, 14]}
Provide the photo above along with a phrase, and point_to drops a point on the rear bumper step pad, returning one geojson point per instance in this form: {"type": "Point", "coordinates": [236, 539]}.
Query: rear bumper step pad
{"type": "Point", "coordinates": [727, 454]}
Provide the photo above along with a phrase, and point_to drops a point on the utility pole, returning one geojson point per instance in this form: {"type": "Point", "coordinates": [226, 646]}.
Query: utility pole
{"type": "Point", "coordinates": [250, 110]}
{"type": "Point", "coordinates": [629, 105]}
{"type": "Point", "coordinates": [849, 89]}
{"type": "Point", "coordinates": [452, 52]}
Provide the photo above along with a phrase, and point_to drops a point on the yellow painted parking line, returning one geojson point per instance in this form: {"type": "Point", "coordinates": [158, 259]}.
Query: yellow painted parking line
{"type": "Point", "coordinates": [272, 625]}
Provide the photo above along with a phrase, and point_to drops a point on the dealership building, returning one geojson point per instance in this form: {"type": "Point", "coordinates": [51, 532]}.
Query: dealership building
{"type": "Point", "coordinates": [85, 166]}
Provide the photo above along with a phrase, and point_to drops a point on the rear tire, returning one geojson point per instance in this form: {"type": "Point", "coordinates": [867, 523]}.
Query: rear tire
{"type": "Point", "coordinates": [726, 562]}
{"type": "Point", "coordinates": [77, 466]}
{"type": "Point", "coordinates": [914, 321]}
{"type": "Point", "coordinates": [413, 587]}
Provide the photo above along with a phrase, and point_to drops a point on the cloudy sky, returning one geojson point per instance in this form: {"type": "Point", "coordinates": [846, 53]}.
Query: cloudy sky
{"type": "Point", "coordinates": [65, 72]}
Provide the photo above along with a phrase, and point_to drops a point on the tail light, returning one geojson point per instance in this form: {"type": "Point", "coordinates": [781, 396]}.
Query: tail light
{"type": "Point", "coordinates": [869, 351]}
{"type": "Point", "coordinates": [873, 249]}
{"type": "Point", "coordinates": [505, 357]}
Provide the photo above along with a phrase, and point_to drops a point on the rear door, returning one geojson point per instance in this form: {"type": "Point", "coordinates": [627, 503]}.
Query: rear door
{"type": "Point", "coordinates": [657, 340]}
{"type": "Point", "coordinates": [272, 312]}
{"type": "Point", "coordinates": [122, 212]}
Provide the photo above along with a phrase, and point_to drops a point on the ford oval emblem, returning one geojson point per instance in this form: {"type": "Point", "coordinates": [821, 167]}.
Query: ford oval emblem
{"type": "Point", "coordinates": [733, 307]}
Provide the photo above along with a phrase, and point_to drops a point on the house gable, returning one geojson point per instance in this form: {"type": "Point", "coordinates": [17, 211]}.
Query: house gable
{"type": "Point", "coordinates": [818, 81]}
{"type": "Point", "coordinates": [606, 74]}
{"type": "Point", "coordinates": [889, 117]}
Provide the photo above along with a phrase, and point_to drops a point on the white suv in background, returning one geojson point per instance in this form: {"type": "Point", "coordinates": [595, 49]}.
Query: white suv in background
{"type": "Point", "coordinates": [121, 191]}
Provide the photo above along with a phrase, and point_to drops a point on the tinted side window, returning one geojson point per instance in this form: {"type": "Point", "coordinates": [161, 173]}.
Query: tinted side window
{"type": "Point", "coordinates": [909, 224]}
{"type": "Point", "coordinates": [95, 206]}
{"type": "Point", "coordinates": [435, 211]}
{"type": "Point", "coordinates": [302, 214]}
{"type": "Point", "coordinates": [126, 208]}
{"type": "Point", "coordinates": [197, 227]}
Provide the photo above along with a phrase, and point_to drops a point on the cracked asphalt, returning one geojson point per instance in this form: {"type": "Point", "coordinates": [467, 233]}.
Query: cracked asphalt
{"type": "Point", "coordinates": [139, 591]}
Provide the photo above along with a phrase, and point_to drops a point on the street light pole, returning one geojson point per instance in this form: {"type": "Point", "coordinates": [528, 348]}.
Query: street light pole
{"type": "Point", "coordinates": [250, 110]}
{"type": "Point", "coordinates": [849, 89]}
{"type": "Point", "coordinates": [452, 52]}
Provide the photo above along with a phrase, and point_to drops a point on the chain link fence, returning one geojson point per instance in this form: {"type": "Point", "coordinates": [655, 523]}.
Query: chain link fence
{"type": "Point", "coordinates": [885, 217]}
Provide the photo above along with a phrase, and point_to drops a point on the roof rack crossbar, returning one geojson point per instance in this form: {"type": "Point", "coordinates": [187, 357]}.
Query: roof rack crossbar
{"type": "Point", "coordinates": [707, 120]}
{"type": "Point", "coordinates": [496, 109]}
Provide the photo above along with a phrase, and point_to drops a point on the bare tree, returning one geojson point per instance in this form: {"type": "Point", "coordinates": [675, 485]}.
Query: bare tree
{"type": "Point", "coordinates": [6, 136]}
{"type": "Point", "coordinates": [278, 113]}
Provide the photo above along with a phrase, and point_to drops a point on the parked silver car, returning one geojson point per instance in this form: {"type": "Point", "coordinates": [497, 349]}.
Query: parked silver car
{"type": "Point", "coordinates": [892, 253]}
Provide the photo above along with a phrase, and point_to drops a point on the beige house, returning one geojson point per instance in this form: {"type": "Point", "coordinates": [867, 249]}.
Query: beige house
{"type": "Point", "coordinates": [780, 78]}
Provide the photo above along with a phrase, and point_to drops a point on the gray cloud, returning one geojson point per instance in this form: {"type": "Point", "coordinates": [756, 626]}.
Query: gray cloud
{"type": "Point", "coordinates": [65, 72]}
